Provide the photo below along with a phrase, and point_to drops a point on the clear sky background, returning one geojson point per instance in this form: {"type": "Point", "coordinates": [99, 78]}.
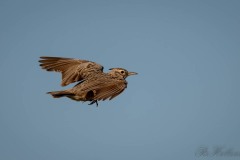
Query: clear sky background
{"type": "Point", "coordinates": [186, 96]}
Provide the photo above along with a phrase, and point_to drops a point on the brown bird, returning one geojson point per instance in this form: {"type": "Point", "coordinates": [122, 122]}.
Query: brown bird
{"type": "Point", "coordinates": [94, 85]}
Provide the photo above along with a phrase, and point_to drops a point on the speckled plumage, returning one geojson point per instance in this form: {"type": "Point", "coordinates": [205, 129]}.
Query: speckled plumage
{"type": "Point", "coordinates": [94, 85]}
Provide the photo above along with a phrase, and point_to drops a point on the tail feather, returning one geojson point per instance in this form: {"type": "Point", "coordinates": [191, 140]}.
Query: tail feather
{"type": "Point", "coordinates": [59, 94]}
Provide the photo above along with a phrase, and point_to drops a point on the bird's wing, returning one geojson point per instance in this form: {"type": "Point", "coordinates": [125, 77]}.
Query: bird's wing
{"type": "Point", "coordinates": [109, 91]}
{"type": "Point", "coordinates": [105, 89]}
{"type": "Point", "coordinates": [72, 70]}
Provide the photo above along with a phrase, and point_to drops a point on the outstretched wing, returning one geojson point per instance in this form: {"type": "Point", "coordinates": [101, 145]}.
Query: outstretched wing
{"type": "Point", "coordinates": [110, 91]}
{"type": "Point", "coordinates": [102, 88]}
{"type": "Point", "coordinates": [72, 70]}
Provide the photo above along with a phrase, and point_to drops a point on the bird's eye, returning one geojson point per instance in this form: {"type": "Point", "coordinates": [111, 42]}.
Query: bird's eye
{"type": "Point", "coordinates": [122, 72]}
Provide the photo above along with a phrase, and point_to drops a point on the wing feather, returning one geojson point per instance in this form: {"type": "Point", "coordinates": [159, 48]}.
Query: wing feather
{"type": "Point", "coordinates": [110, 92]}
{"type": "Point", "coordinates": [104, 89]}
{"type": "Point", "coordinates": [72, 70]}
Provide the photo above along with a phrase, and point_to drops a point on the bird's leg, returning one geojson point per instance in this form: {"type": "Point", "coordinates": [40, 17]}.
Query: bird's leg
{"type": "Point", "coordinates": [94, 101]}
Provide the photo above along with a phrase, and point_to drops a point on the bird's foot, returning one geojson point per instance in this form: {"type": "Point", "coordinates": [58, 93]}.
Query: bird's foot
{"type": "Point", "coordinates": [94, 101]}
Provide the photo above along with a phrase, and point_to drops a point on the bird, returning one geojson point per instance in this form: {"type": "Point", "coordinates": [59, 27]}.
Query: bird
{"type": "Point", "coordinates": [93, 84]}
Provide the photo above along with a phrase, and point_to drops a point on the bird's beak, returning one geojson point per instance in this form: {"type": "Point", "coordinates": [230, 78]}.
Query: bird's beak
{"type": "Point", "coordinates": [132, 73]}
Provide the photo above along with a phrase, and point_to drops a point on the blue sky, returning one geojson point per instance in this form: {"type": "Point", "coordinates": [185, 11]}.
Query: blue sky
{"type": "Point", "coordinates": [186, 95]}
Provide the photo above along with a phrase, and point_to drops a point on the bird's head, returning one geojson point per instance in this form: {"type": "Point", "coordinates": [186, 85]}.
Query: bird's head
{"type": "Point", "coordinates": [120, 73]}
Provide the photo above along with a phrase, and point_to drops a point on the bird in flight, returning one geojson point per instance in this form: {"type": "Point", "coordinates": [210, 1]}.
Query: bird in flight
{"type": "Point", "coordinates": [93, 84]}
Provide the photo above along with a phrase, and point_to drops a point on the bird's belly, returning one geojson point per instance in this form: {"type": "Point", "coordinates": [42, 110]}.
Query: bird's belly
{"type": "Point", "coordinates": [77, 97]}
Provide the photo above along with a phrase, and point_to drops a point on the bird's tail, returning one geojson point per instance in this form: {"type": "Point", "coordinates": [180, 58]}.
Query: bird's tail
{"type": "Point", "coordinates": [59, 94]}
